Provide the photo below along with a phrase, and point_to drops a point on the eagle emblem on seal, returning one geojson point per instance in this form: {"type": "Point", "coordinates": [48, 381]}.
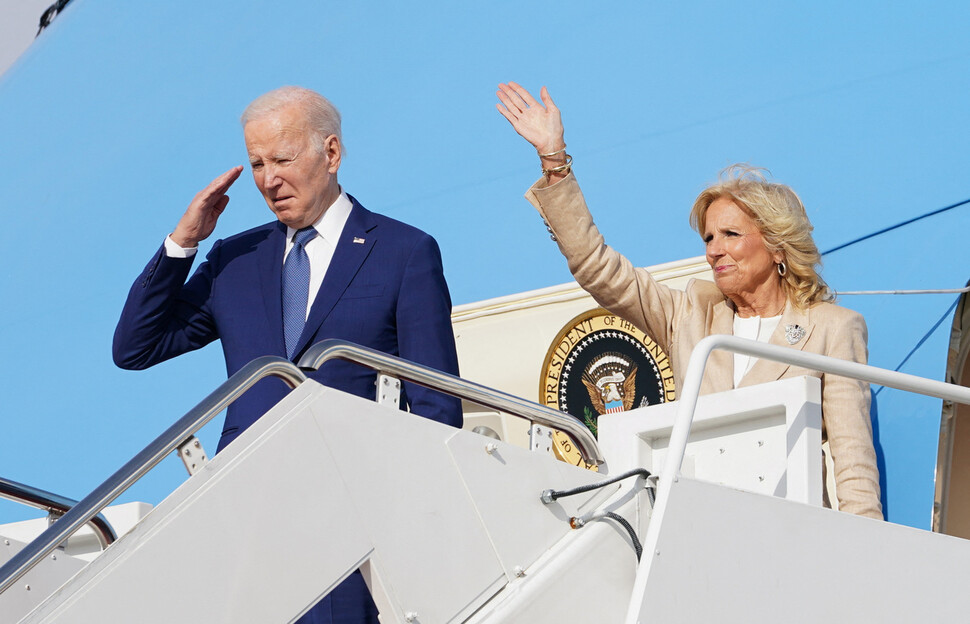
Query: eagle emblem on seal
{"type": "Point", "coordinates": [611, 381]}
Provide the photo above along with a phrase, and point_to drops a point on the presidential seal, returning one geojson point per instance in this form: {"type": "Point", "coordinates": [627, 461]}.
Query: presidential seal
{"type": "Point", "coordinates": [601, 364]}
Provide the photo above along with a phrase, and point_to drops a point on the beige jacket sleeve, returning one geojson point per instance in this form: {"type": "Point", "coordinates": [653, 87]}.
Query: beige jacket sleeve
{"type": "Point", "coordinates": [604, 273]}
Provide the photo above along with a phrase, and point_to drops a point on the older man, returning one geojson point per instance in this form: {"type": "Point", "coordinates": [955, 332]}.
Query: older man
{"type": "Point", "coordinates": [325, 268]}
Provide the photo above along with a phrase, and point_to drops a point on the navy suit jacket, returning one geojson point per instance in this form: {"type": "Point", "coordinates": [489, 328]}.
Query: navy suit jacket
{"type": "Point", "coordinates": [384, 289]}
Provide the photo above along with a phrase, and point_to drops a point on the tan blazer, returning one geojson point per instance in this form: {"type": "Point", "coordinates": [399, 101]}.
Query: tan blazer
{"type": "Point", "coordinates": [678, 320]}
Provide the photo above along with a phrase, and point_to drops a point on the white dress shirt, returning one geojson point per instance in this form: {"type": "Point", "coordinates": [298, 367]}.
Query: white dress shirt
{"type": "Point", "coordinates": [320, 249]}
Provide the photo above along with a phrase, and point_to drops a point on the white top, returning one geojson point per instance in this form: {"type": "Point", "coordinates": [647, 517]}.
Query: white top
{"type": "Point", "coordinates": [752, 328]}
{"type": "Point", "coordinates": [320, 249]}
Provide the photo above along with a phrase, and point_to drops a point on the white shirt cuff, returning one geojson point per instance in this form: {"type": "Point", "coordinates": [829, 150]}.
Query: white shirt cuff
{"type": "Point", "coordinates": [173, 250]}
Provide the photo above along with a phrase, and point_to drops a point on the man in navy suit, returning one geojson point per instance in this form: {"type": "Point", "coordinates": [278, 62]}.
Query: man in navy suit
{"type": "Point", "coordinates": [372, 280]}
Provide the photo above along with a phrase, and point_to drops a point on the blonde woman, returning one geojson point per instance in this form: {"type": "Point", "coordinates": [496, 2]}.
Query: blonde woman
{"type": "Point", "coordinates": [766, 287]}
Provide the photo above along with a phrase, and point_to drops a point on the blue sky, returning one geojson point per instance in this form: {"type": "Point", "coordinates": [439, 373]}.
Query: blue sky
{"type": "Point", "coordinates": [120, 112]}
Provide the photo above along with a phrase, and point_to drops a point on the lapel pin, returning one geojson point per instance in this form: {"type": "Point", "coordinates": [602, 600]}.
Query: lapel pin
{"type": "Point", "coordinates": [794, 333]}
{"type": "Point", "coordinates": [358, 240]}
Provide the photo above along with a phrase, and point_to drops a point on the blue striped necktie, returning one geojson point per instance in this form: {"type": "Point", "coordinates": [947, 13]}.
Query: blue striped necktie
{"type": "Point", "coordinates": [296, 289]}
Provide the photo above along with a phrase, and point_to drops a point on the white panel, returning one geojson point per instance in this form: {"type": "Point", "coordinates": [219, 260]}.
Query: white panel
{"type": "Point", "coordinates": [764, 439]}
{"type": "Point", "coordinates": [732, 556]}
{"type": "Point", "coordinates": [433, 554]}
{"type": "Point", "coordinates": [511, 429]}
{"type": "Point", "coordinates": [255, 536]}
{"type": "Point", "coordinates": [84, 544]}
{"type": "Point", "coordinates": [505, 486]}
{"type": "Point", "coordinates": [41, 581]}
{"type": "Point", "coordinates": [587, 578]}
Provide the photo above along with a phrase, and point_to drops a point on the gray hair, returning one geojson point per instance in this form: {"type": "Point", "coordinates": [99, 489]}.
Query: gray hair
{"type": "Point", "coordinates": [322, 116]}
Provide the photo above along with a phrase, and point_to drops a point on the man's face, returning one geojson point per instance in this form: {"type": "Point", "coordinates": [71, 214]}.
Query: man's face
{"type": "Point", "coordinates": [298, 181]}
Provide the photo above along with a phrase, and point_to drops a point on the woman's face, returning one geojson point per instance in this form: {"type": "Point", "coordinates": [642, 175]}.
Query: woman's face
{"type": "Point", "coordinates": [744, 269]}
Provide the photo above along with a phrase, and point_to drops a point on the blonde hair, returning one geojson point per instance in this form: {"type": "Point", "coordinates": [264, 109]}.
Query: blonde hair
{"type": "Point", "coordinates": [783, 222]}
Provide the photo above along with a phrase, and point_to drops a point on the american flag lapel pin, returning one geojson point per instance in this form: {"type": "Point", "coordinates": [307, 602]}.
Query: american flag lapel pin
{"type": "Point", "coordinates": [358, 240]}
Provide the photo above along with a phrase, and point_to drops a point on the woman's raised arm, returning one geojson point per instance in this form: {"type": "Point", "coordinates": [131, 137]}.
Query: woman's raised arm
{"type": "Point", "coordinates": [539, 123]}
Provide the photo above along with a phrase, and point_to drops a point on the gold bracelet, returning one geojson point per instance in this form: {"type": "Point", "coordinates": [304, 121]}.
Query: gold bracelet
{"type": "Point", "coordinates": [560, 168]}
{"type": "Point", "coordinates": [551, 154]}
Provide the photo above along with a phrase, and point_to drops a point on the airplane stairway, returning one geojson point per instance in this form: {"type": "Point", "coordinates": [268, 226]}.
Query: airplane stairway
{"type": "Point", "coordinates": [452, 526]}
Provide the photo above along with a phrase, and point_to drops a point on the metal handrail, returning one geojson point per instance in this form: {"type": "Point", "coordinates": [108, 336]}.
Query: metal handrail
{"type": "Point", "coordinates": [677, 444]}
{"type": "Point", "coordinates": [55, 505]}
{"type": "Point", "coordinates": [329, 349]}
{"type": "Point", "coordinates": [151, 455]}
{"type": "Point", "coordinates": [814, 361]}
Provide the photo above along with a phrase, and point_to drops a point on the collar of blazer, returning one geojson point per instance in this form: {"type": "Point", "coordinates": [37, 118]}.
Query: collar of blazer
{"type": "Point", "coordinates": [719, 374]}
{"type": "Point", "coordinates": [347, 259]}
{"type": "Point", "coordinates": [355, 244]}
{"type": "Point", "coordinates": [764, 371]}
